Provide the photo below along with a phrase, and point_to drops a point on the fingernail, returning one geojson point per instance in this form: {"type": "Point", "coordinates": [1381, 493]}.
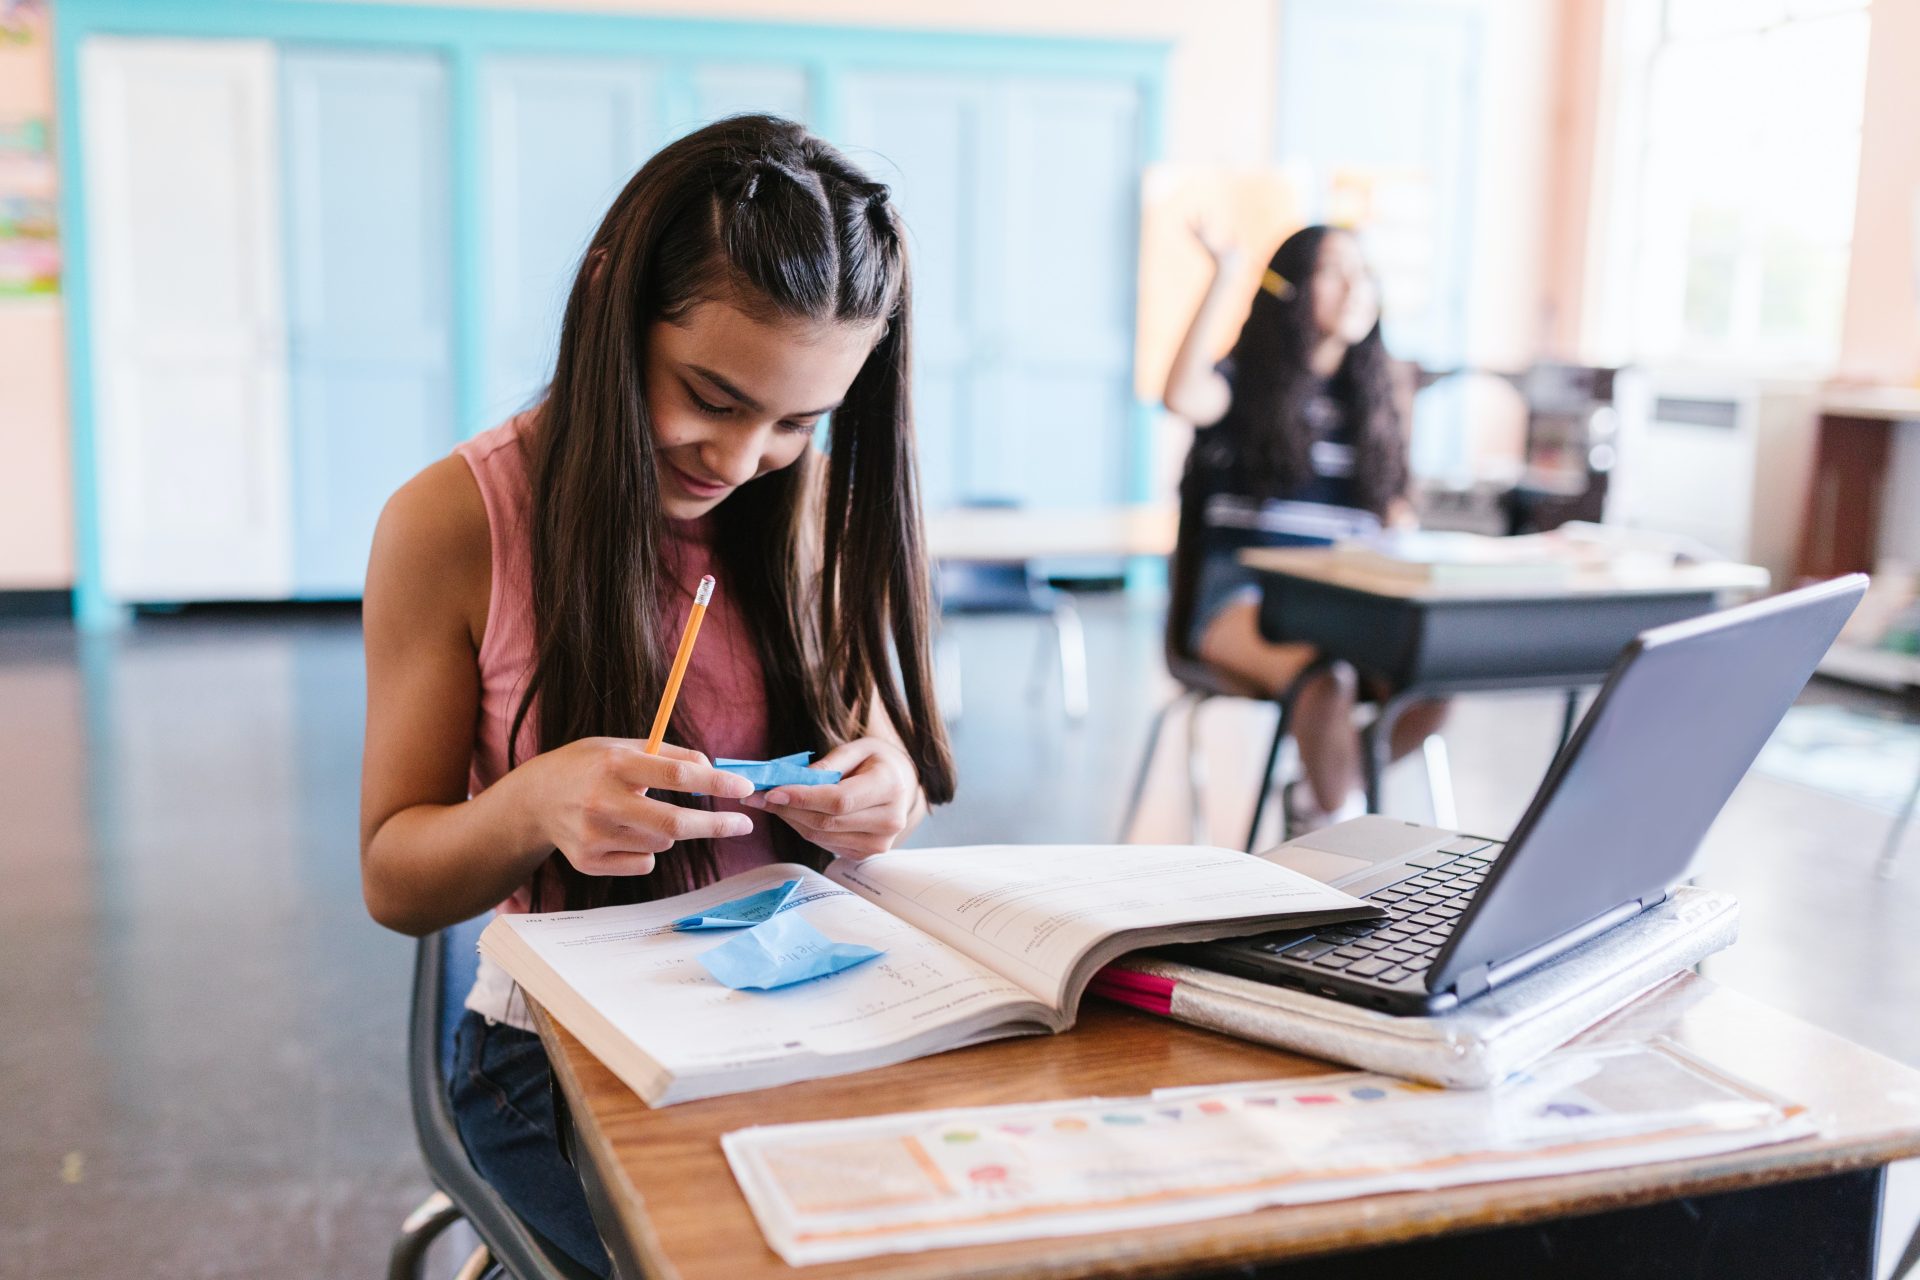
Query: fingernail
{"type": "Point", "coordinates": [743, 827]}
{"type": "Point", "coordinates": [777, 797]}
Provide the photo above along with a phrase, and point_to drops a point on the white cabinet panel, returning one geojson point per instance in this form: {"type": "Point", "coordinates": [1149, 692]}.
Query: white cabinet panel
{"type": "Point", "coordinates": [189, 344]}
{"type": "Point", "coordinates": [562, 137]}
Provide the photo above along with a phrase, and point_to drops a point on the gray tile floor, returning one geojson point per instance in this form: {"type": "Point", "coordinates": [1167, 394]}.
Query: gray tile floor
{"type": "Point", "coordinates": [203, 1040]}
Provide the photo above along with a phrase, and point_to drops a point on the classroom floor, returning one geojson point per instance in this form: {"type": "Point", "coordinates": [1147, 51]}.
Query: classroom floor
{"type": "Point", "coordinates": [204, 1043]}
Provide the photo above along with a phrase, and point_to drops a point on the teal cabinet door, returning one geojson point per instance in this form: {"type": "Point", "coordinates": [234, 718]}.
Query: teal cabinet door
{"type": "Point", "coordinates": [1021, 196]}
{"type": "Point", "coordinates": [368, 286]}
{"type": "Point", "coordinates": [561, 138]}
{"type": "Point", "coordinates": [919, 134]}
{"type": "Point", "coordinates": [1055, 378]}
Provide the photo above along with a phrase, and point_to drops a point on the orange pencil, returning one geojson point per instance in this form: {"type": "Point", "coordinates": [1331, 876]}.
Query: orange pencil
{"type": "Point", "coordinates": [701, 596]}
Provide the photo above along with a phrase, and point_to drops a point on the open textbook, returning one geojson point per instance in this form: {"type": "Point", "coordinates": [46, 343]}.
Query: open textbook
{"type": "Point", "coordinates": [980, 943]}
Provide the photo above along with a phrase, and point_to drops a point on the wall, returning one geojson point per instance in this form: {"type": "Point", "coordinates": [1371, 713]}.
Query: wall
{"type": "Point", "coordinates": [1880, 340]}
{"type": "Point", "coordinates": [36, 514]}
{"type": "Point", "coordinates": [1219, 112]}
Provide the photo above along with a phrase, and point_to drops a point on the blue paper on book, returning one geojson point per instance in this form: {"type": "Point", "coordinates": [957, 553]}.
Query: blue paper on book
{"type": "Point", "coordinates": [741, 913]}
{"type": "Point", "coordinates": [786, 771]}
{"type": "Point", "coordinates": [779, 953]}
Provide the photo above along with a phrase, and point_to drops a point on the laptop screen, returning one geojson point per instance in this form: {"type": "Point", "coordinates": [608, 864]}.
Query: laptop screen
{"type": "Point", "coordinates": [1674, 729]}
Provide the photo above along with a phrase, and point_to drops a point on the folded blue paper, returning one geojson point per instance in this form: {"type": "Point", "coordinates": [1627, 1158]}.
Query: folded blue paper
{"type": "Point", "coordinates": [779, 953]}
{"type": "Point", "coordinates": [741, 913]}
{"type": "Point", "coordinates": [786, 771]}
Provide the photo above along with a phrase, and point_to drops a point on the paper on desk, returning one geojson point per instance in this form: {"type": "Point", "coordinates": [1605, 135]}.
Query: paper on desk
{"type": "Point", "coordinates": [741, 913]}
{"type": "Point", "coordinates": [782, 772]}
{"type": "Point", "coordinates": [834, 1190]}
{"type": "Point", "coordinates": [782, 951]}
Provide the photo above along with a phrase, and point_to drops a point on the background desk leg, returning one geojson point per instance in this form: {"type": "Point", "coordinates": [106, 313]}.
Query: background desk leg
{"type": "Point", "coordinates": [1376, 746]}
{"type": "Point", "coordinates": [1285, 702]}
{"type": "Point", "coordinates": [1569, 719]}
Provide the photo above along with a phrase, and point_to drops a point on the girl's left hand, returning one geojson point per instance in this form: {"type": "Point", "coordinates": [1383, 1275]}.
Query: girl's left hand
{"type": "Point", "coordinates": [876, 801]}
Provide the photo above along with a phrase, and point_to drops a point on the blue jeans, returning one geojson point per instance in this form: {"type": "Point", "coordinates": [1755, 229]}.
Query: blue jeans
{"type": "Point", "coordinates": [501, 1090]}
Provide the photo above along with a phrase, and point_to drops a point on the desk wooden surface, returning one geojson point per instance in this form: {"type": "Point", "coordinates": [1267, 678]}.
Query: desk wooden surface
{"type": "Point", "coordinates": [1322, 565]}
{"type": "Point", "coordinates": [683, 1216]}
{"type": "Point", "coordinates": [996, 534]}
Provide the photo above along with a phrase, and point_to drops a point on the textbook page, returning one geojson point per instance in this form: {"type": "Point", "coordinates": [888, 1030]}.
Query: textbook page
{"type": "Point", "coordinates": [623, 973]}
{"type": "Point", "coordinates": [1046, 916]}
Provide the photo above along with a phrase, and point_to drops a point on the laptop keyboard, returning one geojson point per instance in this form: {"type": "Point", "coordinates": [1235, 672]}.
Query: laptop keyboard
{"type": "Point", "coordinates": [1421, 911]}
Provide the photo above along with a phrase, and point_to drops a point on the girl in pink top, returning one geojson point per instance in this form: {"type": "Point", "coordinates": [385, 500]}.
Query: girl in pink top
{"type": "Point", "coordinates": [525, 595]}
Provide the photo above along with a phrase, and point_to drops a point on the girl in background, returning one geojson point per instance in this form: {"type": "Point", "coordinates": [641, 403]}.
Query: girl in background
{"type": "Point", "coordinates": [525, 596]}
{"type": "Point", "coordinates": [1300, 440]}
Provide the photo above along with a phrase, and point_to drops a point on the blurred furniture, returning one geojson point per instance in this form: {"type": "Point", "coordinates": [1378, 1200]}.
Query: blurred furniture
{"type": "Point", "coordinates": [1852, 458]}
{"type": "Point", "coordinates": [443, 971]}
{"type": "Point", "coordinates": [1424, 641]}
{"type": "Point", "coordinates": [987, 555]}
{"type": "Point", "coordinates": [1803, 1208]}
{"type": "Point", "coordinates": [1000, 532]}
{"type": "Point", "coordinates": [1720, 459]}
{"type": "Point", "coordinates": [1201, 682]}
{"type": "Point", "coordinates": [1012, 587]}
{"type": "Point", "coordinates": [1570, 446]}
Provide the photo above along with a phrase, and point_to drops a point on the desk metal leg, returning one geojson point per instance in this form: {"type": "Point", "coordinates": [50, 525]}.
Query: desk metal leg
{"type": "Point", "coordinates": [1376, 744]}
{"type": "Point", "coordinates": [1569, 718]}
{"type": "Point", "coordinates": [1890, 852]}
{"type": "Point", "coordinates": [1285, 701]}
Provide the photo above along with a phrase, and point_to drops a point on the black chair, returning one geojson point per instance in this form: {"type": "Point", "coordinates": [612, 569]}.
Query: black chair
{"type": "Point", "coordinates": [1013, 587]}
{"type": "Point", "coordinates": [443, 972]}
{"type": "Point", "coordinates": [1201, 682]}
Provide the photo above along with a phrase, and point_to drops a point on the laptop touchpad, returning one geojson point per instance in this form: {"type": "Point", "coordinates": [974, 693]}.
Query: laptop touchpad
{"type": "Point", "coordinates": [1317, 864]}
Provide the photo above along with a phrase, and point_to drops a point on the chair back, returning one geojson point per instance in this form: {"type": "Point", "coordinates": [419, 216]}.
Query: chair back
{"type": "Point", "coordinates": [443, 971]}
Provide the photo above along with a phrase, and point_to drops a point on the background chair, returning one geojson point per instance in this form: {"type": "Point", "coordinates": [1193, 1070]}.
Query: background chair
{"type": "Point", "coordinates": [443, 970]}
{"type": "Point", "coordinates": [1013, 587]}
{"type": "Point", "coordinates": [1200, 682]}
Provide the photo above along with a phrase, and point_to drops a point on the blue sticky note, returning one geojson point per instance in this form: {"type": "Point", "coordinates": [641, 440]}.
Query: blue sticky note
{"type": "Point", "coordinates": [786, 771]}
{"type": "Point", "coordinates": [779, 953]}
{"type": "Point", "coordinates": [741, 913]}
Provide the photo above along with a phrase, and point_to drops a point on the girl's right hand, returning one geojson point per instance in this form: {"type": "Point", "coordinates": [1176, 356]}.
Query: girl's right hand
{"type": "Point", "coordinates": [1222, 248]}
{"type": "Point", "coordinates": [590, 802]}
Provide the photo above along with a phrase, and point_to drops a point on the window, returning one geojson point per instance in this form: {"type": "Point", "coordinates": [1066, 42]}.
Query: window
{"type": "Point", "coordinates": [1739, 151]}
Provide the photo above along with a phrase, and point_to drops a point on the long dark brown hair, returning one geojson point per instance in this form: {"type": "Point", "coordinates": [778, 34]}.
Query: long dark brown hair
{"type": "Point", "coordinates": [1263, 447]}
{"type": "Point", "coordinates": [828, 569]}
{"type": "Point", "coordinates": [1264, 439]}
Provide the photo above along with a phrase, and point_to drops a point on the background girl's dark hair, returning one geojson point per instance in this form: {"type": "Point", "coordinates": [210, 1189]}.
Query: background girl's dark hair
{"type": "Point", "coordinates": [1262, 448]}
{"type": "Point", "coordinates": [823, 558]}
{"type": "Point", "coordinates": [1264, 435]}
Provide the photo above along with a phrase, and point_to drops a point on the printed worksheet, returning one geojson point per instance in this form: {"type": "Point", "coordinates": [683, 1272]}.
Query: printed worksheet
{"type": "Point", "coordinates": [836, 1190]}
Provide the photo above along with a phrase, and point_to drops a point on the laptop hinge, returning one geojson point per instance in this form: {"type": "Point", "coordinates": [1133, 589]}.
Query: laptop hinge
{"type": "Point", "coordinates": [1471, 983]}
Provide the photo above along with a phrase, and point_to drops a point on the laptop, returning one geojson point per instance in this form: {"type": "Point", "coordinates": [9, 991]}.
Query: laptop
{"type": "Point", "coordinates": [1613, 827]}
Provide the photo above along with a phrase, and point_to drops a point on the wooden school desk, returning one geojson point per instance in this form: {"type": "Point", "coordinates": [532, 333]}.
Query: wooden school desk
{"type": "Point", "coordinates": [669, 1209]}
{"type": "Point", "coordinates": [1422, 641]}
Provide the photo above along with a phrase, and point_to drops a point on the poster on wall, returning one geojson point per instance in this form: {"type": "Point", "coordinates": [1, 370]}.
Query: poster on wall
{"type": "Point", "coordinates": [29, 231]}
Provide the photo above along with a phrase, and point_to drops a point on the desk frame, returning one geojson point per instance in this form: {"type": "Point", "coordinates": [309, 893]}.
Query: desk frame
{"type": "Point", "coordinates": [1825, 1189]}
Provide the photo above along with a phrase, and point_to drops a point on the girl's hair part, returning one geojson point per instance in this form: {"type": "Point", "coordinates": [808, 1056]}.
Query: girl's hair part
{"type": "Point", "coordinates": [824, 558]}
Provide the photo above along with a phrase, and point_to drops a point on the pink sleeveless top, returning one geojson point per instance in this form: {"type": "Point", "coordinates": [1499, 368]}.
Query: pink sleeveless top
{"type": "Point", "coordinates": [723, 695]}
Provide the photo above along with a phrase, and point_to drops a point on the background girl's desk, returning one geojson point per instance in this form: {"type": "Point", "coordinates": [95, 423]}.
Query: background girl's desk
{"type": "Point", "coordinates": [668, 1205]}
{"type": "Point", "coordinates": [1423, 641]}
